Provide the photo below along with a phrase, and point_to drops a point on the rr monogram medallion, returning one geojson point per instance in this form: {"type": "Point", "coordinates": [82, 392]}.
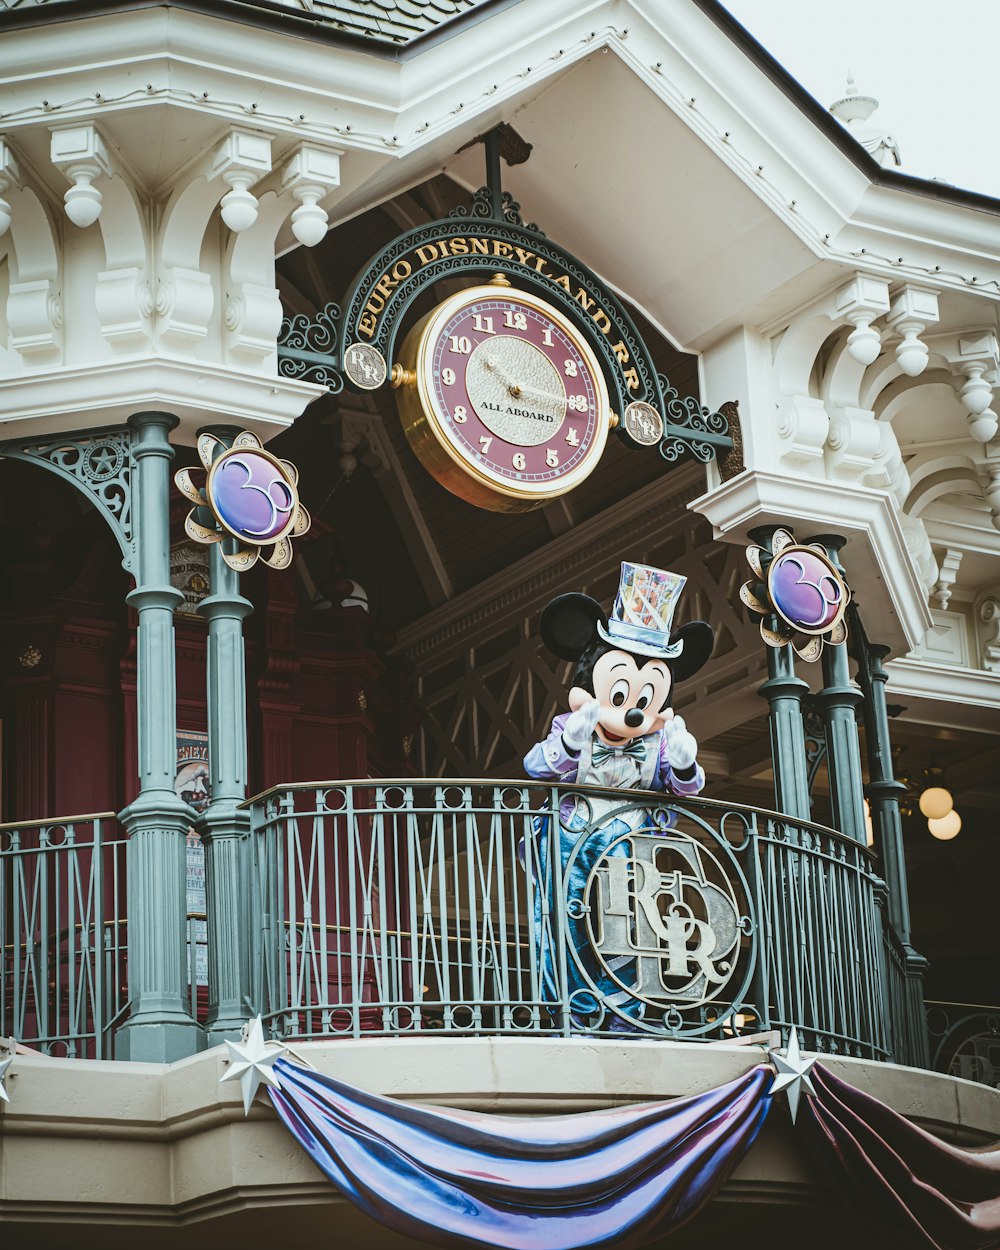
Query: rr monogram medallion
{"type": "Point", "coordinates": [663, 922]}
{"type": "Point", "coordinates": [657, 906]}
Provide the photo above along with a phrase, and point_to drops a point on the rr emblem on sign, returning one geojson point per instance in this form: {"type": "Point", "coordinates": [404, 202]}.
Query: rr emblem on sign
{"type": "Point", "coordinates": [652, 901]}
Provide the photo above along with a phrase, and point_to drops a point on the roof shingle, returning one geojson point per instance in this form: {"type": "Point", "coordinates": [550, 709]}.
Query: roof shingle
{"type": "Point", "coordinates": [386, 21]}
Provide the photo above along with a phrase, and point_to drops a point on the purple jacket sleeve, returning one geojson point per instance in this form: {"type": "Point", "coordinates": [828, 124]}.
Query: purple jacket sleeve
{"type": "Point", "coordinates": [665, 779]}
{"type": "Point", "coordinates": [549, 760]}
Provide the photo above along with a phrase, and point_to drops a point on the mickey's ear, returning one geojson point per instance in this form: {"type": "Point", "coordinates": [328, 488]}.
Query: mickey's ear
{"type": "Point", "coordinates": [569, 624]}
{"type": "Point", "coordinates": [698, 638]}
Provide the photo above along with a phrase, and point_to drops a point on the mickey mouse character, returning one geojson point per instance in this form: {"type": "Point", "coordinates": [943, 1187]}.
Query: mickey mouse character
{"type": "Point", "coordinates": [620, 733]}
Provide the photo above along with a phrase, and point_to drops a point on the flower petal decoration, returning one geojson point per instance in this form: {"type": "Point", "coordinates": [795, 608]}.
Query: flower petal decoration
{"type": "Point", "coordinates": [749, 597]}
{"type": "Point", "coordinates": [249, 501]}
{"type": "Point", "coordinates": [799, 594]}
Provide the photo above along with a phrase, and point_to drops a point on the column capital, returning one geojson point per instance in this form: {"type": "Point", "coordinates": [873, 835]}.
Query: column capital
{"type": "Point", "coordinates": [225, 607]}
{"type": "Point", "coordinates": [159, 809]}
{"type": "Point", "coordinates": [834, 544]}
{"type": "Point", "coordinates": [154, 597]}
{"type": "Point", "coordinates": [785, 684]}
{"type": "Point", "coordinates": [880, 791]}
{"type": "Point", "coordinates": [224, 818]}
{"type": "Point", "coordinates": [140, 420]}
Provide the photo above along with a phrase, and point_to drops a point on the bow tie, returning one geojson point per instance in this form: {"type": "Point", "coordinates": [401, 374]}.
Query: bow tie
{"type": "Point", "coordinates": [635, 749]}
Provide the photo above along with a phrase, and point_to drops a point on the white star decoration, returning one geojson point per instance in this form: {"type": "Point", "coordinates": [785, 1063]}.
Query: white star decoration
{"type": "Point", "coordinates": [251, 1062]}
{"type": "Point", "coordinates": [792, 1073]}
{"type": "Point", "coordinates": [4, 1065]}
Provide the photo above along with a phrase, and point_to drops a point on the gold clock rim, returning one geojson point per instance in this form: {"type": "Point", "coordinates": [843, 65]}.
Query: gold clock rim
{"type": "Point", "coordinates": [428, 331]}
{"type": "Point", "coordinates": [268, 455]}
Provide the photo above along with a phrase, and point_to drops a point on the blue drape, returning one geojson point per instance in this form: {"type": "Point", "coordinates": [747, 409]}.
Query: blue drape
{"type": "Point", "coordinates": [461, 1179]}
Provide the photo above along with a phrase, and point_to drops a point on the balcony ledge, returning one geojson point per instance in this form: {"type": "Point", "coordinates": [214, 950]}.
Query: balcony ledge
{"type": "Point", "coordinates": [111, 1146]}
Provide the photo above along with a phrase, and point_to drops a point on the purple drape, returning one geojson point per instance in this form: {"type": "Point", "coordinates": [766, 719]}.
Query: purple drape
{"type": "Point", "coordinates": [461, 1179]}
{"type": "Point", "coordinates": [936, 1195]}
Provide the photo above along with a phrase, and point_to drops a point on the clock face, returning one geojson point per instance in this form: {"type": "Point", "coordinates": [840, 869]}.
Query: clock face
{"type": "Point", "coordinates": [512, 395]}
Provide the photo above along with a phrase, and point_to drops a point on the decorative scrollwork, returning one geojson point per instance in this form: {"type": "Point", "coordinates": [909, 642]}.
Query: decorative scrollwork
{"type": "Point", "coordinates": [691, 428]}
{"type": "Point", "coordinates": [815, 741]}
{"type": "Point", "coordinates": [324, 374]}
{"type": "Point", "coordinates": [481, 206]}
{"type": "Point", "coordinates": [100, 465]}
{"type": "Point", "coordinates": [308, 348]}
{"type": "Point", "coordinates": [314, 334]}
{"type": "Point", "coordinates": [673, 448]}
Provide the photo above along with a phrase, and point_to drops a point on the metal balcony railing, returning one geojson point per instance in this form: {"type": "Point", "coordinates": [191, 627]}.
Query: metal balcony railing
{"type": "Point", "coordinates": [965, 1041]}
{"type": "Point", "coordinates": [491, 907]}
{"type": "Point", "coordinates": [393, 908]}
{"type": "Point", "coordinates": [62, 920]}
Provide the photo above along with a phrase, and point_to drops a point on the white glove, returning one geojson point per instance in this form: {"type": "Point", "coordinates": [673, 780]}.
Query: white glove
{"type": "Point", "coordinates": [682, 749]}
{"type": "Point", "coordinates": [580, 726]}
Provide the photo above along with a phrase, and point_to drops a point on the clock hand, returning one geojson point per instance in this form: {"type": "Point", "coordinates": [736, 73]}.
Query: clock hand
{"type": "Point", "coordinates": [495, 367]}
{"type": "Point", "coordinates": [516, 390]}
{"type": "Point", "coordinates": [549, 395]}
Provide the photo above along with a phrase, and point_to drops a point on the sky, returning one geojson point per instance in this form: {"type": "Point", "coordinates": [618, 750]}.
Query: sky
{"type": "Point", "coordinates": [930, 63]}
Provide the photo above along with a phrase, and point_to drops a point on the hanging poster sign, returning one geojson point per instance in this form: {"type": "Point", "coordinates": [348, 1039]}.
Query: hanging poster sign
{"type": "Point", "coordinates": [191, 783]}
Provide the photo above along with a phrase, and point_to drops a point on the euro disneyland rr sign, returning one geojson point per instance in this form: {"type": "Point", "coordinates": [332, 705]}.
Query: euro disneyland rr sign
{"type": "Point", "coordinates": [508, 389]}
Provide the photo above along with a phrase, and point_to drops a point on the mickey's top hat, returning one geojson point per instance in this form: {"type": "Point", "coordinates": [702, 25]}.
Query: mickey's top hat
{"type": "Point", "coordinates": [641, 622]}
{"type": "Point", "coordinates": [643, 612]}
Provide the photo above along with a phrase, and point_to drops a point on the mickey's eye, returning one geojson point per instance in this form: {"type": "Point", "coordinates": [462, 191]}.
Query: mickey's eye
{"type": "Point", "coordinates": [645, 697]}
{"type": "Point", "coordinates": [620, 692]}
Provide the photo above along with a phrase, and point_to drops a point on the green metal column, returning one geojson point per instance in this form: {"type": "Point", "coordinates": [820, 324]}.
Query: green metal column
{"type": "Point", "coordinates": [222, 826]}
{"type": "Point", "coordinates": [884, 791]}
{"type": "Point", "coordinates": [784, 692]}
{"type": "Point", "coordinates": [839, 700]}
{"type": "Point", "coordinates": [160, 1027]}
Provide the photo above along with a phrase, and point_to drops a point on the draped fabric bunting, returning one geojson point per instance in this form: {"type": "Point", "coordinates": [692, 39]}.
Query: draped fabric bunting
{"type": "Point", "coordinates": [603, 1178]}
{"type": "Point", "coordinates": [936, 1195]}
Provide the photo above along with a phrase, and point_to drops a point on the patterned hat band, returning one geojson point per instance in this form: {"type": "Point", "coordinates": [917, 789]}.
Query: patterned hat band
{"type": "Point", "coordinates": [638, 638]}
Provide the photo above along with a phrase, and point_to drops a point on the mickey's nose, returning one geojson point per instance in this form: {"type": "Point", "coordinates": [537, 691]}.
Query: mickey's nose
{"type": "Point", "coordinates": [633, 718]}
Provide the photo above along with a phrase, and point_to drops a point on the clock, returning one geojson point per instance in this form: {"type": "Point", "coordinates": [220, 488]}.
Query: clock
{"type": "Point", "coordinates": [502, 398]}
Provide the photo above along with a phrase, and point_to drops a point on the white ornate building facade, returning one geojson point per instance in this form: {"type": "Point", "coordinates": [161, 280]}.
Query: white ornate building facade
{"type": "Point", "coordinates": [175, 179]}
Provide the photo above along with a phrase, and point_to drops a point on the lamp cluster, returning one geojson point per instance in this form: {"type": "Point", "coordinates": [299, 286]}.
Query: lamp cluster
{"type": "Point", "coordinates": [937, 804]}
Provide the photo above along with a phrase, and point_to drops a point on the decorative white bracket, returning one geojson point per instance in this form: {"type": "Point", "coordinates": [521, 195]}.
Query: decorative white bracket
{"type": "Point", "coordinates": [991, 489]}
{"type": "Point", "coordinates": [309, 175]}
{"type": "Point", "coordinates": [241, 160]}
{"type": "Point", "coordinates": [977, 356]}
{"type": "Point", "coordinates": [948, 567]}
{"type": "Point", "coordinates": [913, 309]}
{"type": "Point", "coordinates": [79, 151]}
{"type": "Point", "coordinates": [859, 302]}
{"type": "Point", "coordinates": [10, 176]}
{"type": "Point", "coordinates": [988, 615]}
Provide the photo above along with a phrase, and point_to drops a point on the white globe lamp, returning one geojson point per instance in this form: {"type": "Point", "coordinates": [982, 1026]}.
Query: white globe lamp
{"type": "Point", "coordinates": [936, 802]}
{"type": "Point", "coordinates": [947, 827]}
